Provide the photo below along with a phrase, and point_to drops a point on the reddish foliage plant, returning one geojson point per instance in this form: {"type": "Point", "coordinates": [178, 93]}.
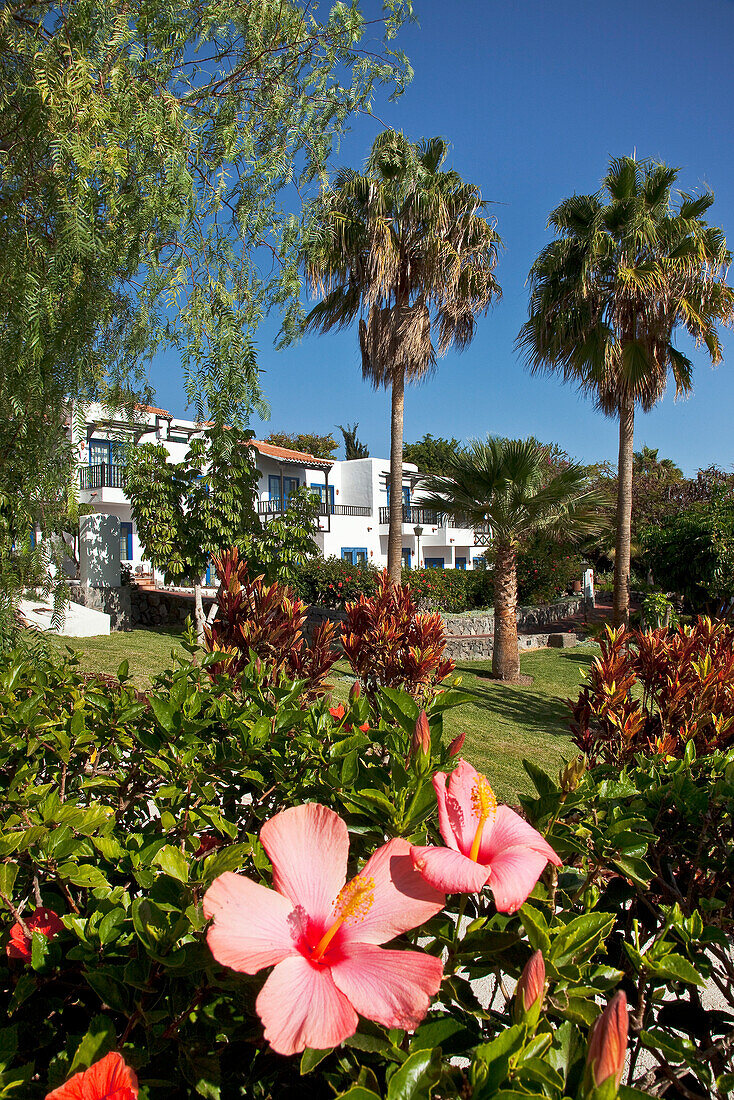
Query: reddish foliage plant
{"type": "Point", "coordinates": [266, 620]}
{"type": "Point", "coordinates": [654, 691]}
{"type": "Point", "coordinates": [389, 644]}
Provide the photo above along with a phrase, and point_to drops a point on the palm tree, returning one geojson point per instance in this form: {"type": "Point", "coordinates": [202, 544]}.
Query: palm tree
{"type": "Point", "coordinates": [509, 486]}
{"type": "Point", "coordinates": [405, 247]}
{"type": "Point", "coordinates": [628, 267]}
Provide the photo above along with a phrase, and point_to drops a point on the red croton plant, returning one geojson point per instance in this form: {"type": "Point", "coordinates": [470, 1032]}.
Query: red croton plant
{"type": "Point", "coordinates": [656, 691]}
{"type": "Point", "coordinates": [389, 643]}
{"type": "Point", "coordinates": [267, 620]}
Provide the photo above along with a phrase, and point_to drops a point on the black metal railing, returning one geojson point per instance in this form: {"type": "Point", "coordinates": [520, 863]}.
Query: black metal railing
{"type": "Point", "coordinates": [415, 516]}
{"type": "Point", "coordinates": [277, 507]}
{"type": "Point", "coordinates": [103, 476]}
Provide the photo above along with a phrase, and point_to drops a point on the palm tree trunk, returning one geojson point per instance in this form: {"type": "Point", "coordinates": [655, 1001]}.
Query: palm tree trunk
{"type": "Point", "coordinates": [395, 532]}
{"type": "Point", "coordinates": [199, 619]}
{"type": "Point", "coordinates": [505, 654]}
{"type": "Point", "coordinates": [621, 615]}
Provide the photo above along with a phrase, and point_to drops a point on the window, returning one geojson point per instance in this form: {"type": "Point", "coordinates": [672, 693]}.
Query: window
{"type": "Point", "coordinates": [406, 495]}
{"type": "Point", "coordinates": [320, 492]}
{"type": "Point", "coordinates": [434, 563]}
{"type": "Point", "coordinates": [290, 485]}
{"type": "Point", "coordinates": [355, 555]}
{"type": "Point", "coordinates": [274, 489]}
{"type": "Point", "coordinates": [126, 542]}
{"type": "Point", "coordinates": [407, 557]}
{"type": "Point", "coordinates": [461, 563]}
{"type": "Point", "coordinates": [106, 452]}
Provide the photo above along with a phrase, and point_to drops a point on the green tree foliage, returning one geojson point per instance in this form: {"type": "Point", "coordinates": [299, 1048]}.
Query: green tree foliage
{"type": "Point", "coordinates": [286, 541]}
{"type": "Point", "coordinates": [629, 266]}
{"type": "Point", "coordinates": [152, 154]}
{"type": "Point", "coordinates": [432, 454]}
{"type": "Point", "coordinates": [320, 446]}
{"type": "Point", "coordinates": [409, 245]}
{"type": "Point", "coordinates": [692, 553]}
{"type": "Point", "coordinates": [187, 511]}
{"type": "Point", "coordinates": [352, 446]}
{"type": "Point", "coordinates": [503, 485]}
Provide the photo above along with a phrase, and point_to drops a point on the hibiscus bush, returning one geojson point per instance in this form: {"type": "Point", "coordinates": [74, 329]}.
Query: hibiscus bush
{"type": "Point", "coordinates": [220, 889]}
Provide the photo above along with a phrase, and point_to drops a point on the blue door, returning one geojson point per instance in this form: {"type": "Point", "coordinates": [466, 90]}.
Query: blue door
{"type": "Point", "coordinates": [407, 557]}
{"type": "Point", "coordinates": [126, 542]}
{"type": "Point", "coordinates": [461, 563]}
{"type": "Point", "coordinates": [355, 555]}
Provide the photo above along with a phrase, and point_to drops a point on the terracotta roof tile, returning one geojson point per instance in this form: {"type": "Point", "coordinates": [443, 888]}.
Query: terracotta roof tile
{"type": "Point", "coordinates": [151, 409]}
{"type": "Point", "coordinates": [287, 455]}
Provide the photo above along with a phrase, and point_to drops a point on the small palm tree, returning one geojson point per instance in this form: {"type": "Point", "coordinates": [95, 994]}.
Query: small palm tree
{"type": "Point", "coordinates": [405, 247]}
{"type": "Point", "coordinates": [509, 486]}
{"type": "Point", "coordinates": [628, 267]}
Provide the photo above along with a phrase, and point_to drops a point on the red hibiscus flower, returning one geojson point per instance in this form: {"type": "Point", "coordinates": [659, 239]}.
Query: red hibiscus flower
{"type": "Point", "coordinates": [108, 1079]}
{"type": "Point", "coordinates": [337, 712]}
{"type": "Point", "coordinates": [44, 921]}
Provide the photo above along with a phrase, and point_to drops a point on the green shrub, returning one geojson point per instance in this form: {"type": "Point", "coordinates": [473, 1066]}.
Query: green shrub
{"type": "Point", "coordinates": [546, 570]}
{"type": "Point", "coordinates": [332, 582]}
{"type": "Point", "coordinates": [119, 810]}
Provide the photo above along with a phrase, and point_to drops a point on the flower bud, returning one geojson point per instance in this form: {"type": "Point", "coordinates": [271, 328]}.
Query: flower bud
{"type": "Point", "coordinates": [571, 775]}
{"type": "Point", "coordinates": [608, 1042]}
{"type": "Point", "coordinates": [355, 692]}
{"type": "Point", "coordinates": [456, 745]}
{"type": "Point", "coordinates": [258, 667]}
{"type": "Point", "coordinates": [530, 990]}
{"type": "Point", "coordinates": [421, 740]}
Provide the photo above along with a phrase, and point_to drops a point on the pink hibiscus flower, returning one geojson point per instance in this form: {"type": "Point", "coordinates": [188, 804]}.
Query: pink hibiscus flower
{"type": "Point", "coordinates": [487, 844]}
{"type": "Point", "coordinates": [323, 936]}
{"type": "Point", "coordinates": [41, 920]}
{"type": "Point", "coordinates": [109, 1079]}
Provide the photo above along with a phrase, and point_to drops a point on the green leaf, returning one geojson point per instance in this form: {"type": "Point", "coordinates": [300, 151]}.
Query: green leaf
{"type": "Point", "coordinates": [166, 715]}
{"type": "Point", "coordinates": [416, 1077]}
{"type": "Point", "coordinates": [676, 968]}
{"type": "Point", "coordinates": [580, 939]}
{"type": "Point", "coordinates": [536, 927]}
{"type": "Point", "coordinates": [123, 670]}
{"type": "Point", "coordinates": [310, 1059]}
{"type": "Point", "coordinates": [172, 862]}
{"type": "Point", "coordinates": [99, 1040]}
{"type": "Point", "coordinates": [84, 874]}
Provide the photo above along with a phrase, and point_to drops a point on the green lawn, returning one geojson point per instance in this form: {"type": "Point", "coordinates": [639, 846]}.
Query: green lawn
{"type": "Point", "coordinates": [503, 723]}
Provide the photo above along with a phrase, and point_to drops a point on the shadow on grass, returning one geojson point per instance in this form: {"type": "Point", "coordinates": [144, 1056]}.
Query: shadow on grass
{"type": "Point", "coordinates": [523, 708]}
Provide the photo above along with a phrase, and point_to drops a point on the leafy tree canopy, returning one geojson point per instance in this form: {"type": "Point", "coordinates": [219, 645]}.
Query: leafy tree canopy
{"type": "Point", "coordinates": [432, 454]}
{"type": "Point", "coordinates": [321, 446]}
{"type": "Point", "coordinates": [693, 554]}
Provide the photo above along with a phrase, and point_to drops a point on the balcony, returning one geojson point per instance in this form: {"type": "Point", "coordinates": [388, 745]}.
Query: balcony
{"type": "Point", "coordinates": [277, 507]}
{"type": "Point", "coordinates": [104, 476]}
{"type": "Point", "coordinates": [416, 516]}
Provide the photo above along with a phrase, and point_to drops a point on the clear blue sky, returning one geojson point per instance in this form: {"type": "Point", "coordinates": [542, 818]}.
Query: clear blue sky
{"type": "Point", "coordinates": [534, 98]}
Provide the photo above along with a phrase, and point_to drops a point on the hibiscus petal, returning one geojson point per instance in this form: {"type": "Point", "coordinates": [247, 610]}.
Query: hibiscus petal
{"type": "Point", "coordinates": [445, 820]}
{"type": "Point", "coordinates": [308, 847]}
{"type": "Point", "coordinates": [509, 830]}
{"type": "Point", "coordinates": [394, 988]}
{"type": "Point", "coordinates": [109, 1078]}
{"type": "Point", "coordinates": [513, 875]}
{"type": "Point", "coordinates": [252, 926]}
{"type": "Point", "coordinates": [401, 899]}
{"type": "Point", "coordinates": [462, 806]}
{"type": "Point", "coordinates": [301, 1007]}
{"type": "Point", "coordinates": [449, 871]}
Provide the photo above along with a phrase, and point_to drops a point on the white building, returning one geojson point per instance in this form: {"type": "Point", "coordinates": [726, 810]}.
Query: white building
{"type": "Point", "coordinates": [353, 520]}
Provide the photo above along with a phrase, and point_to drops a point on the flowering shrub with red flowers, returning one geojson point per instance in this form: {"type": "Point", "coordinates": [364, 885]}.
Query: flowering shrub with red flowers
{"type": "Point", "coordinates": [332, 582]}
{"type": "Point", "coordinates": [546, 570]}
{"type": "Point", "coordinates": [220, 889]}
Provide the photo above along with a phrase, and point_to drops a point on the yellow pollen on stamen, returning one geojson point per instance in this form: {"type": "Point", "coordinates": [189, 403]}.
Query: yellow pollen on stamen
{"type": "Point", "coordinates": [354, 901]}
{"type": "Point", "coordinates": [484, 804]}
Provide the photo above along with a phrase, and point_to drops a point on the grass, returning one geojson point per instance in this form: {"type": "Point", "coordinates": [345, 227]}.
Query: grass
{"type": "Point", "coordinates": [503, 722]}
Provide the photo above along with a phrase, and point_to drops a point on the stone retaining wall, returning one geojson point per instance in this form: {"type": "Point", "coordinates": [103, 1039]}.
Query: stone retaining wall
{"type": "Point", "coordinates": [115, 602]}
{"type": "Point", "coordinates": [151, 607]}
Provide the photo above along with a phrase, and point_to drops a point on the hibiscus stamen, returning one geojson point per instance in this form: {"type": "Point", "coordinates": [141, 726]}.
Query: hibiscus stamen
{"type": "Point", "coordinates": [484, 803]}
{"type": "Point", "coordinates": [353, 903]}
